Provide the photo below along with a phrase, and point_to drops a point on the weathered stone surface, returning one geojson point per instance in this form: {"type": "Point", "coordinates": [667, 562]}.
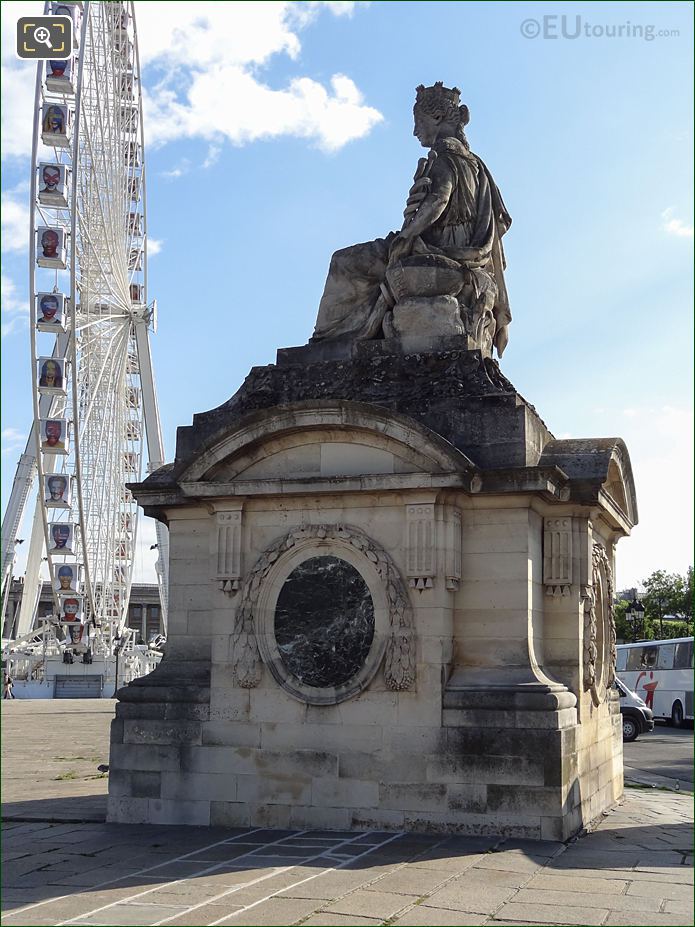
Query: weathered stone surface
{"type": "Point", "coordinates": [365, 904]}
{"type": "Point", "coordinates": [427, 916]}
{"type": "Point", "coordinates": [455, 392]}
{"type": "Point", "coordinates": [418, 317]}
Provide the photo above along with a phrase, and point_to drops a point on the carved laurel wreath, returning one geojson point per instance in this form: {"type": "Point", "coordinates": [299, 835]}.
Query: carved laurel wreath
{"type": "Point", "coordinates": [399, 664]}
{"type": "Point", "coordinates": [600, 567]}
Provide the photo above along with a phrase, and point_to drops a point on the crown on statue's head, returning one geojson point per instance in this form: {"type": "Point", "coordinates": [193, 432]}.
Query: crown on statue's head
{"type": "Point", "coordinates": [438, 100]}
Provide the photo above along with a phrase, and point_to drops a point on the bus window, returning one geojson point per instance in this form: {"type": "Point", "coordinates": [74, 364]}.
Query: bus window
{"type": "Point", "coordinates": [649, 655]}
{"type": "Point", "coordinates": [684, 655]}
{"type": "Point", "coordinates": [665, 660]}
{"type": "Point", "coordinates": [634, 658]}
{"type": "Point", "coordinates": [621, 661]}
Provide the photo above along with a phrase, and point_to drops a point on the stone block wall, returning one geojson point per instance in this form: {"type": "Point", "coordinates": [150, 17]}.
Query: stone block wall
{"type": "Point", "coordinates": [483, 704]}
{"type": "Point", "coordinates": [342, 776]}
{"type": "Point", "coordinates": [424, 759]}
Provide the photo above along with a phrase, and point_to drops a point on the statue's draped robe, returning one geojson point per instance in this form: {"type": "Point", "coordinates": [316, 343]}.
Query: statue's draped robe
{"type": "Point", "coordinates": [468, 231]}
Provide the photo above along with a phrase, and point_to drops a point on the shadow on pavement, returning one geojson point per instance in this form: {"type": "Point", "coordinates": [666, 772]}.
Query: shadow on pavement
{"type": "Point", "coordinates": [73, 809]}
{"type": "Point", "coordinates": [87, 855]}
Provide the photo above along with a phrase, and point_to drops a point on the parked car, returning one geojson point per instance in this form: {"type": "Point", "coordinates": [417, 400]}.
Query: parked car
{"type": "Point", "coordinates": [637, 718]}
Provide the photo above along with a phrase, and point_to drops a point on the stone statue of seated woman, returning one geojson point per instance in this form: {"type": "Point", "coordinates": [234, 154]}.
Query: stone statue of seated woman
{"type": "Point", "coordinates": [443, 273]}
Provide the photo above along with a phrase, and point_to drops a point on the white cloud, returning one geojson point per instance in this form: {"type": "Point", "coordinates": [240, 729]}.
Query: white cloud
{"type": "Point", "coordinates": [338, 7]}
{"type": "Point", "coordinates": [220, 92]}
{"type": "Point", "coordinates": [673, 226]}
{"type": "Point", "coordinates": [18, 83]}
{"type": "Point", "coordinates": [15, 222]}
{"type": "Point", "coordinates": [224, 47]}
{"type": "Point", "coordinates": [213, 155]}
{"type": "Point", "coordinates": [183, 167]}
{"type": "Point", "coordinates": [15, 310]}
{"type": "Point", "coordinates": [12, 440]}
{"type": "Point", "coordinates": [229, 101]}
{"type": "Point", "coordinates": [154, 246]}
{"type": "Point", "coordinates": [199, 35]}
{"type": "Point", "coordinates": [306, 11]}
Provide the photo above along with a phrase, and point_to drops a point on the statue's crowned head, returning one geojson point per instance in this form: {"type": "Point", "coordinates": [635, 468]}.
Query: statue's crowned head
{"type": "Point", "coordinates": [439, 106]}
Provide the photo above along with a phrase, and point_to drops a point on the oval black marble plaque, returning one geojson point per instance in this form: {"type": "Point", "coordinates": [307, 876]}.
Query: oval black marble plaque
{"type": "Point", "coordinates": [324, 622]}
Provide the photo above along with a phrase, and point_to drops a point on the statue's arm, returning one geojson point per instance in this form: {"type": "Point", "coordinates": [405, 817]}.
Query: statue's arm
{"type": "Point", "coordinates": [430, 210]}
{"type": "Point", "coordinates": [435, 202]}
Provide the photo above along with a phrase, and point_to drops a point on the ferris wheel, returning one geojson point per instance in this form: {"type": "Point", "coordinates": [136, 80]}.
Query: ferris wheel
{"type": "Point", "coordinates": [94, 400]}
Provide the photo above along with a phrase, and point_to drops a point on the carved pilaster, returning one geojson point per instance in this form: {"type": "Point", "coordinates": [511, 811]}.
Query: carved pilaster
{"type": "Point", "coordinates": [557, 556]}
{"type": "Point", "coordinates": [420, 545]}
{"type": "Point", "coordinates": [453, 549]}
{"type": "Point", "coordinates": [227, 549]}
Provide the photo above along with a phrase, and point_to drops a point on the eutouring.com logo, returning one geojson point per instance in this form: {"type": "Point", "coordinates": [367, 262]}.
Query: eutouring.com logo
{"type": "Point", "coordinates": [576, 27]}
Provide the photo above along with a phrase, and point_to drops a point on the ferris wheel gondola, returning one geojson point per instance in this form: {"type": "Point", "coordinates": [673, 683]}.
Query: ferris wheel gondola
{"type": "Point", "coordinates": [94, 399]}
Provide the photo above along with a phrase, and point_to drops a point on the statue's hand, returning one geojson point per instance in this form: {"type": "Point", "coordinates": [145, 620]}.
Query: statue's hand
{"type": "Point", "coordinates": [416, 195]}
{"type": "Point", "coordinates": [420, 187]}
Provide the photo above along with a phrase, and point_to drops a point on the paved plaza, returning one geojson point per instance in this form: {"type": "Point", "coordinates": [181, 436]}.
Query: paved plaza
{"type": "Point", "coordinates": [63, 865]}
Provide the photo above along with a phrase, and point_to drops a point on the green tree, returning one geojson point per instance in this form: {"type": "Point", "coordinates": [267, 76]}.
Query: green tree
{"type": "Point", "coordinates": [623, 628]}
{"type": "Point", "coordinates": [667, 594]}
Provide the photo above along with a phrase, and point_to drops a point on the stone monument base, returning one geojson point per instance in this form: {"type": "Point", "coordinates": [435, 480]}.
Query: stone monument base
{"type": "Point", "coordinates": [390, 611]}
{"type": "Point", "coordinates": [437, 316]}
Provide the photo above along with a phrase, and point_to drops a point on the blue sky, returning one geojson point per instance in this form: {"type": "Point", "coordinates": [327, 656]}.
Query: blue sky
{"type": "Point", "coordinates": [277, 133]}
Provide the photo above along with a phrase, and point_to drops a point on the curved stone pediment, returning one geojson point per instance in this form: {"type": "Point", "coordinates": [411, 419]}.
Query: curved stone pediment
{"type": "Point", "coordinates": [323, 439]}
{"type": "Point", "coordinates": [597, 465]}
{"type": "Point", "coordinates": [319, 454]}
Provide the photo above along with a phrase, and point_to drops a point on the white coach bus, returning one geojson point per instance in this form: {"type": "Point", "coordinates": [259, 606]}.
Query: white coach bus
{"type": "Point", "coordinates": [660, 672]}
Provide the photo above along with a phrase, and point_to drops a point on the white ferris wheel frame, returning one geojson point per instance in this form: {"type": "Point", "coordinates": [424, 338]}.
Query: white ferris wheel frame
{"type": "Point", "coordinates": [136, 319]}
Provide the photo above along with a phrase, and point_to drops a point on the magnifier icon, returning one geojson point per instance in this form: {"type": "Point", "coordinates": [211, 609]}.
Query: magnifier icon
{"type": "Point", "coordinates": [43, 35]}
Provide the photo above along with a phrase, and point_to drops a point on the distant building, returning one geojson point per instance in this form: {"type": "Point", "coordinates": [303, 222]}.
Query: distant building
{"type": "Point", "coordinates": [144, 610]}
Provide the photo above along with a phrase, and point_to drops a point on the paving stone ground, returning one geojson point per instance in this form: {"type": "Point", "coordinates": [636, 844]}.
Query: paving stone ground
{"type": "Point", "coordinates": [50, 752]}
{"type": "Point", "coordinates": [635, 868]}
